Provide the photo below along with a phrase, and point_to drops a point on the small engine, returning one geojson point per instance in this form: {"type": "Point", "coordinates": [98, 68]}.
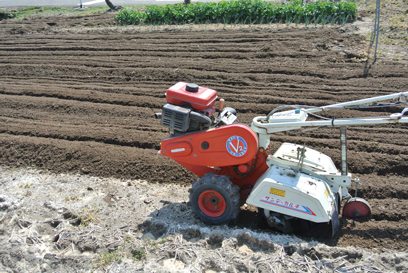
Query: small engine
{"type": "Point", "coordinates": [190, 108]}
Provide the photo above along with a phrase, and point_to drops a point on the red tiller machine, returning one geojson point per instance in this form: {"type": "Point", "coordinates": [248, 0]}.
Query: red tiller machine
{"type": "Point", "coordinates": [293, 187]}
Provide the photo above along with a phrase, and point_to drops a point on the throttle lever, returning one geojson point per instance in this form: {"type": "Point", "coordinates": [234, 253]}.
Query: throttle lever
{"type": "Point", "coordinates": [398, 115]}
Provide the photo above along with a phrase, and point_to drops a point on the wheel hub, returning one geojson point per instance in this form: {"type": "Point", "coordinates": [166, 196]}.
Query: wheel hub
{"type": "Point", "coordinates": [356, 212]}
{"type": "Point", "coordinates": [214, 200]}
{"type": "Point", "coordinates": [211, 203]}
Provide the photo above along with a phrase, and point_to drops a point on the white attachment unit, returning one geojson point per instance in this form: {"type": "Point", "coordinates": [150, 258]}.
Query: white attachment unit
{"type": "Point", "coordinates": [314, 163]}
{"type": "Point", "coordinates": [295, 194]}
{"type": "Point", "coordinates": [289, 155]}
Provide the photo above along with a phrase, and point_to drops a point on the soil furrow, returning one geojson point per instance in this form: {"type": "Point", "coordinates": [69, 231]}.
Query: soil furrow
{"type": "Point", "coordinates": [375, 234]}
{"type": "Point", "coordinates": [389, 209]}
{"type": "Point", "coordinates": [89, 158]}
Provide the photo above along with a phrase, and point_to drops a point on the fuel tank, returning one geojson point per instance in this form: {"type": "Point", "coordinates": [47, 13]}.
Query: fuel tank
{"type": "Point", "coordinates": [198, 97]}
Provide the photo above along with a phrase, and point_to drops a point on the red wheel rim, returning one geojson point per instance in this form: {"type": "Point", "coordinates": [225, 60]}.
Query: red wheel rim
{"type": "Point", "coordinates": [356, 209]}
{"type": "Point", "coordinates": [211, 203]}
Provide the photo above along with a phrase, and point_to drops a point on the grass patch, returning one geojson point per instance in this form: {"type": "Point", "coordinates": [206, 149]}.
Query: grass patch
{"type": "Point", "coordinates": [400, 41]}
{"type": "Point", "coordinates": [107, 258]}
{"type": "Point", "coordinates": [25, 12]}
{"type": "Point", "coordinates": [393, 20]}
{"type": "Point", "coordinates": [127, 250]}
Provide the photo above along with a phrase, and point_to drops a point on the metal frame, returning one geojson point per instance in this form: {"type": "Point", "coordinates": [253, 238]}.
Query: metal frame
{"type": "Point", "coordinates": [264, 127]}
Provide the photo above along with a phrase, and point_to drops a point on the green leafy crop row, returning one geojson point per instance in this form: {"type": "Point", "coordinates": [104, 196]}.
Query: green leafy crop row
{"type": "Point", "coordinates": [242, 12]}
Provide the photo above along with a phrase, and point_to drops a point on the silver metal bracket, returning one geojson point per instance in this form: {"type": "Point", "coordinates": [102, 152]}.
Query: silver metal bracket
{"type": "Point", "coordinates": [343, 149]}
{"type": "Point", "coordinates": [301, 156]}
{"type": "Point", "coordinates": [357, 181]}
{"type": "Point", "coordinates": [402, 98]}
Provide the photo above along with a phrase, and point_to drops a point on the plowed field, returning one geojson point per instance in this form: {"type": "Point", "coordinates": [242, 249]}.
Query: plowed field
{"type": "Point", "coordinates": [82, 100]}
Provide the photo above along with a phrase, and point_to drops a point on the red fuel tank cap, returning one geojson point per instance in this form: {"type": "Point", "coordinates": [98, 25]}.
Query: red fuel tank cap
{"type": "Point", "coordinates": [192, 87]}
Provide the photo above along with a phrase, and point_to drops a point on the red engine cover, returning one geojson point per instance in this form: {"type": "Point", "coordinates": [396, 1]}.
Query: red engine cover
{"type": "Point", "coordinates": [200, 100]}
{"type": "Point", "coordinates": [224, 146]}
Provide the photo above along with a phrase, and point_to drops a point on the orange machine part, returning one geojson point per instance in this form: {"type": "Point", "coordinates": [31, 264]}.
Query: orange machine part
{"type": "Point", "coordinates": [228, 145]}
{"type": "Point", "coordinates": [203, 98]}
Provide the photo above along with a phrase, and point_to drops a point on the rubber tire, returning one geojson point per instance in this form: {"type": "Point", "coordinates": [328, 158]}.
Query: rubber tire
{"type": "Point", "coordinates": [223, 186]}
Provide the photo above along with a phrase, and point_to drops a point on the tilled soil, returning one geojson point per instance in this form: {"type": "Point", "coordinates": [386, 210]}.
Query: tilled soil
{"type": "Point", "coordinates": [82, 99]}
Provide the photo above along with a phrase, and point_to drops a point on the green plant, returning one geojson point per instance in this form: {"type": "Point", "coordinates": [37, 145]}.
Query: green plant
{"type": "Point", "coordinates": [6, 15]}
{"type": "Point", "coordinates": [105, 259]}
{"type": "Point", "coordinates": [243, 11]}
{"type": "Point", "coordinates": [88, 216]}
{"type": "Point", "coordinates": [138, 254]}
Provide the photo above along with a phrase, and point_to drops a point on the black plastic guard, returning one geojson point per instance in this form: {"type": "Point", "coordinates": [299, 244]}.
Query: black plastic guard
{"type": "Point", "coordinates": [335, 221]}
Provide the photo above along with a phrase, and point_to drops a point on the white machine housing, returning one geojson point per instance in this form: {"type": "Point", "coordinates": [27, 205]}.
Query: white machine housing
{"type": "Point", "coordinates": [305, 194]}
